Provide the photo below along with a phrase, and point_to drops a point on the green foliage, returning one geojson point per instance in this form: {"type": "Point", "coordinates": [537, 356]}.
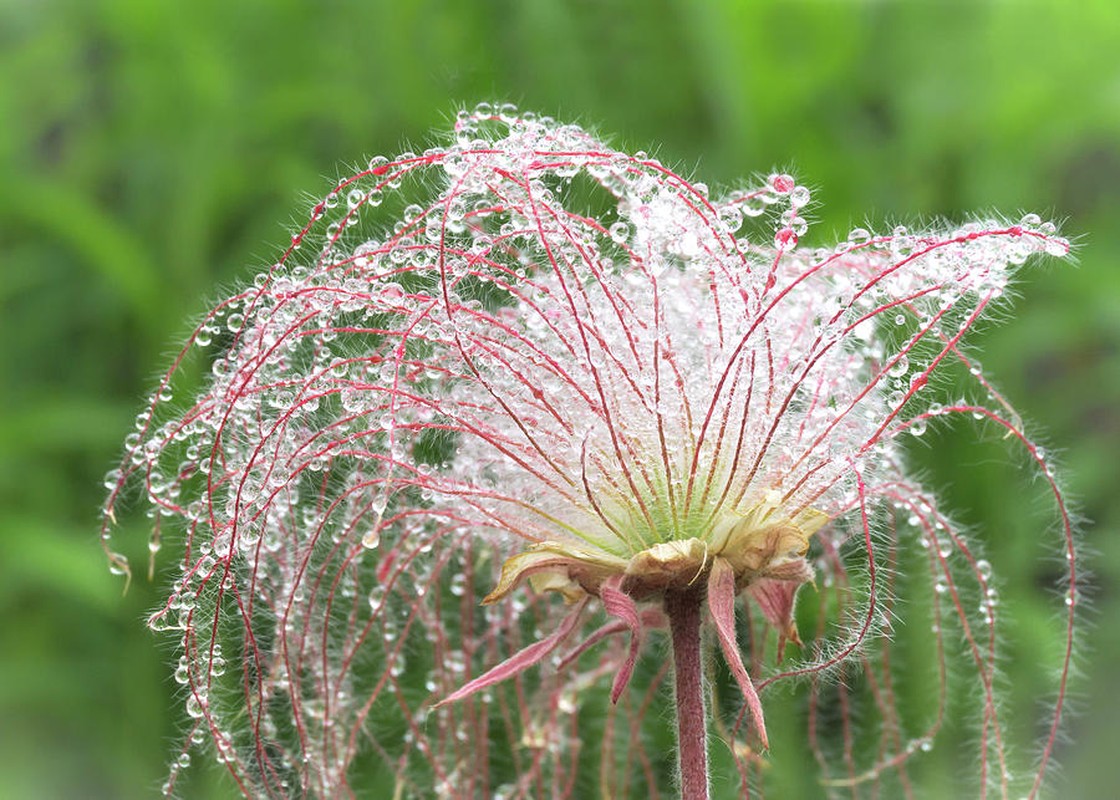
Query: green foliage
{"type": "Point", "coordinates": [152, 151]}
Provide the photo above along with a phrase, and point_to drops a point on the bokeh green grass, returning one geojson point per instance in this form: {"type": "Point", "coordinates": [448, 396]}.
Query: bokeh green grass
{"type": "Point", "coordinates": [151, 152]}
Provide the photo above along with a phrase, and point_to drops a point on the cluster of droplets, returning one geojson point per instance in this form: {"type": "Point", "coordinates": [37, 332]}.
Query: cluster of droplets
{"type": "Point", "coordinates": [522, 335]}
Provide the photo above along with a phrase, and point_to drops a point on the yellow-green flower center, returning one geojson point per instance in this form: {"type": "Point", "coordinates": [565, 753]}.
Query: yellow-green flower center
{"type": "Point", "coordinates": [764, 542]}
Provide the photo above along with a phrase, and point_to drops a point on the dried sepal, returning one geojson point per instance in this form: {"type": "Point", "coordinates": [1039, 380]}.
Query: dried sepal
{"type": "Point", "coordinates": [521, 660]}
{"type": "Point", "coordinates": [556, 567]}
{"type": "Point", "coordinates": [721, 604]}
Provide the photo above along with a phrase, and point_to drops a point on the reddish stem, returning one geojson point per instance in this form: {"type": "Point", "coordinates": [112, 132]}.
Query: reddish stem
{"type": "Point", "coordinates": [683, 610]}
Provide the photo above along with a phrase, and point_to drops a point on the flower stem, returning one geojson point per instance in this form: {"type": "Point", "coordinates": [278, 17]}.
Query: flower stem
{"type": "Point", "coordinates": [683, 609]}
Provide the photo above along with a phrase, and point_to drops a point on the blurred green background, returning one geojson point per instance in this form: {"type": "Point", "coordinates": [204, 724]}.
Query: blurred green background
{"type": "Point", "coordinates": [153, 152]}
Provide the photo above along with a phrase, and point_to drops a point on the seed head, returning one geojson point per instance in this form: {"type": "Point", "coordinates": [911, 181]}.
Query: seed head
{"type": "Point", "coordinates": [528, 366]}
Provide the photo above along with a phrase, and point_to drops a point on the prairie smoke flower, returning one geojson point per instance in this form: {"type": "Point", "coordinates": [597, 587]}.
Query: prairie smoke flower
{"type": "Point", "coordinates": [527, 366]}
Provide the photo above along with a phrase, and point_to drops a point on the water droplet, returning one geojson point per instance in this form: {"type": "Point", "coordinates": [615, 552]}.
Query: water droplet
{"type": "Point", "coordinates": [797, 224]}
{"type": "Point", "coordinates": [194, 707]}
{"type": "Point", "coordinates": [859, 237]}
{"type": "Point", "coordinates": [902, 243]}
{"type": "Point", "coordinates": [785, 239]}
{"type": "Point", "coordinates": [1057, 246]}
{"type": "Point", "coordinates": [118, 564]}
{"type": "Point", "coordinates": [782, 184]}
{"type": "Point", "coordinates": [731, 217]}
{"type": "Point", "coordinates": [755, 205]}
{"type": "Point", "coordinates": [111, 478]}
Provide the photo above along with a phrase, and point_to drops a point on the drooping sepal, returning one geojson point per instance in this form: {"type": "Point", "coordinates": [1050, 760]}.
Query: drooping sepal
{"type": "Point", "coordinates": [519, 661]}
{"type": "Point", "coordinates": [621, 605]}
{"type": "Point", "coordinates": [776, 598]}
{"type": "Point", "coordinates": [721, 604]}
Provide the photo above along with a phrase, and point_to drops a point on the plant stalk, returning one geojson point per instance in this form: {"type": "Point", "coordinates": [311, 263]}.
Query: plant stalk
{"type": "Point", "coordinates": [683, 608]}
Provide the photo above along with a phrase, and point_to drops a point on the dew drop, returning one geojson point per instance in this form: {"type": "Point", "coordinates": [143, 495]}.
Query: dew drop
{"type": "Point", "coordinates": [1057, 246]}
{"type": "Point", "coordinates": [731, 217]}
{"type": "Point", "coordinates": [117, 564]}
{"type": "Point", "coordinates": [755, 205]}
{"type": "Point", "coordinates": [859, 237]}
{"type": "Point", "coordinates": [194, 707]}
{"type": "Point", "coordinates": [785, 239]}
{"type": "Point", "coordinates": [798, 225]}
{"type": "Point", "coordinates": [111, 479]}
{"type": "Point", "coordinates": [782, 184]}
